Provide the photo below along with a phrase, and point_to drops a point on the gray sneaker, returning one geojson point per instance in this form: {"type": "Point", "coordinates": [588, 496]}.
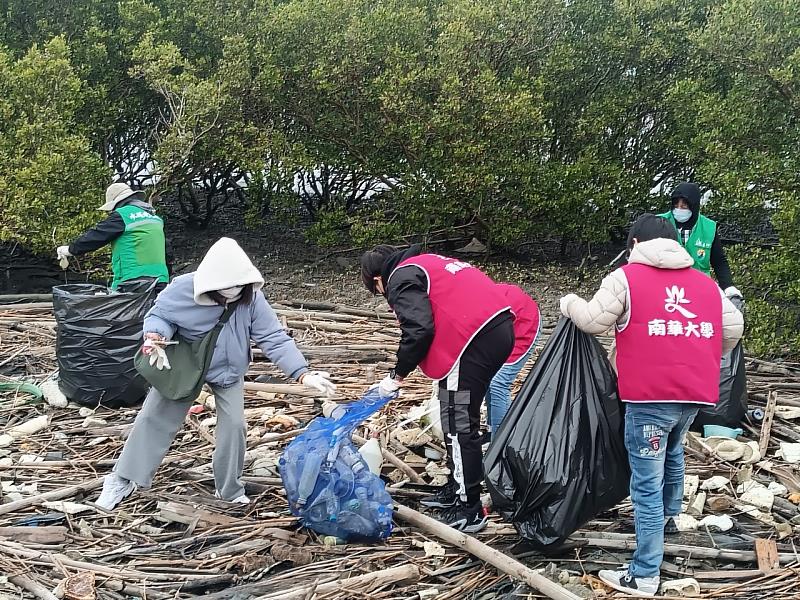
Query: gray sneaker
{"type": "Point", "coordinates": [115, 490]}
{"type": "Point", "coordinates": [622, 580]}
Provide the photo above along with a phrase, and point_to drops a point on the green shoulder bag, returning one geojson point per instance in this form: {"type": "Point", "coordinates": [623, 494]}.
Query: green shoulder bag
{"type": "Point", "coordinates": [189, 361]}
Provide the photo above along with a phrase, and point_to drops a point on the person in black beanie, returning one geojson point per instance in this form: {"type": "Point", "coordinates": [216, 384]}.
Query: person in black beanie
{"type": "Point", "coordinates": [699, 236]}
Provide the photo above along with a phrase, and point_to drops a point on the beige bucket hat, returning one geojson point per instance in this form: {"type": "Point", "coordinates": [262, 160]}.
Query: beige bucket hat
{"type": "Point", "coordinates": [116, 193]}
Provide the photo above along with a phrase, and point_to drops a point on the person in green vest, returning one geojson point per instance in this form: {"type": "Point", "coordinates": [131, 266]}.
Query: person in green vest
{"type": "Point", "coordinates": [698, 235]}
{"type": "Point", "coordinates": [136, 235]}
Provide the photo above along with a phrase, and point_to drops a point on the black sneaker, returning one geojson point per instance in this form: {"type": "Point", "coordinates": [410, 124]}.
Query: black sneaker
{"type": "Point", "coordinates": [670, 527]}
{"type": "Point", "coordinates": [466, 518]}
{"type": "Point", "coordinates": [444, 497]}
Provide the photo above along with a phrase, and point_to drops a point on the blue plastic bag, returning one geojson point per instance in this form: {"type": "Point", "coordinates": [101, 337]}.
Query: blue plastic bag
{"type": "Point", "coordinates": [328, 484]}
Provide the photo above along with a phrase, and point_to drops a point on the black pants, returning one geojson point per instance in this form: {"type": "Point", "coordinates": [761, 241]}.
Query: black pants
{"type": "Point", "coordinates": [460, 397]}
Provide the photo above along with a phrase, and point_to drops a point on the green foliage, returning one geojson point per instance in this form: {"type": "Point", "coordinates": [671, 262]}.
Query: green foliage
{"type": "Point", "coordinates": [50, 181]}
{"type": "Point", "coordinates": [544, 121]}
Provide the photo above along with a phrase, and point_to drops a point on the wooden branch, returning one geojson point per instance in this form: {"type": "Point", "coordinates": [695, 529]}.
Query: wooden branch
{"type": "Point", "coordinates": [54, 495]}
{"type": "Point", "coordinates": [394, 576]}
{"type": "Point", "coordinates": [766, 426]}
{"type": "Point", "coordinates": [502, 562]}
{"type": "Point", "coordinates": [283, 388]}
{"type": "Point", "coordinates": [37, 589]}
{"type": "Point", "coordinates": [395, 460]}
{"type": "Point", "coordinates": [54, 534]}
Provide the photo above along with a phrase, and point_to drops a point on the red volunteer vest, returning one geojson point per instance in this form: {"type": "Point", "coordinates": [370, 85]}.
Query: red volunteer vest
{"type": "Point", "coordinates": [526, 320]}
{"type": "Point", "coordinates": [463, 299]}
{"type": "Point", "coordinates": [670, 350]}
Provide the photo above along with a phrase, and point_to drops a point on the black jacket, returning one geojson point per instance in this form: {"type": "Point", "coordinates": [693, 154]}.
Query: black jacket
{"type": "Point", "coordinates": [110, 228]}
{"type": "Point", "coordinates": [407, 294]}
{"type": "Point", "coordinates": [719, 262]}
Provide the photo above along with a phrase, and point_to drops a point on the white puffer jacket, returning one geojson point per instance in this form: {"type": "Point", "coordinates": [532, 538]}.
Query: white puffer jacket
{"type": "Point", "coordinates": [609, 306]}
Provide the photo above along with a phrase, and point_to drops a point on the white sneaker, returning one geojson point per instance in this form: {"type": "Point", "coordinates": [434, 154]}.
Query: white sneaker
{"type": "Point", "coordinates": [243, 499]}
{"type": "Point", "coordinates": [115, 490]}
{"type": "Point", "coordinates": [622, 580]}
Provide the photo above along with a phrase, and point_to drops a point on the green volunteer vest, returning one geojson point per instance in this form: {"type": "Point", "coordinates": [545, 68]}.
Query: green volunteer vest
{"type": "Point", "coordinates": [139, 251]}
{"type": "Point", "coordinates": [699, 243]}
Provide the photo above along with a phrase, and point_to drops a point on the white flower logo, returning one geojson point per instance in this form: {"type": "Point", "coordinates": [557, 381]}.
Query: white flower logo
{"type": "Point", "coordinates": [675, 297]}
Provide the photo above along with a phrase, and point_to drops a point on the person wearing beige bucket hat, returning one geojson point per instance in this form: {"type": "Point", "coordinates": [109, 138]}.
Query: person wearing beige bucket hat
{"type": "Point", "coordinates": [136, 235]}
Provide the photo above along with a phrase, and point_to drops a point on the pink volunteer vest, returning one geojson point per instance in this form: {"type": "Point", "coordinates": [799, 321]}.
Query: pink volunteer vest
{"type": "Point", "coordinates": [670, 350]}
{"type": "Point", "coordinates": [463, 300]}
{"type": "Point", "coordinates": [526, 320]}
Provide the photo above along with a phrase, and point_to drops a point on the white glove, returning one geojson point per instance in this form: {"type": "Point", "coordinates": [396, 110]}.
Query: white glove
{"type": "Point", "coordinates": [63, 252]}
{"type": "Point", "coordinates": [387, 387]}
{"type": "Point", "coordinates": [565, 302]}
{"type": "Point", "coordinates": [732, 292]}
{"type": "Point", "coordinates": [320, 381]}
{"type": "Point", "coordinates": [158, 356]}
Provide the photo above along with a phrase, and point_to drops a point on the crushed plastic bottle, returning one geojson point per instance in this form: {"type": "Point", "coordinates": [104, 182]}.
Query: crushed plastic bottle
{"type": "Point", "coordinates": [329, 484]}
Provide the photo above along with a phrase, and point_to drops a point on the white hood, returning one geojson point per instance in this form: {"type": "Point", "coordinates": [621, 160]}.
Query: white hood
{"type": "Point", "coordinates": [224, 265]}
{"type": "Point", "coordinates": [661, 253]}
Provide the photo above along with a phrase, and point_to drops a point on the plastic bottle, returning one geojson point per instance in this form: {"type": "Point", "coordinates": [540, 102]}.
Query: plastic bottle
{"type": "Point", "coordinates": [371, 452]}
{"type": "Point", "coordinates": [355, 524]}
{"type": "Point", "coordinates": [308, 478]}
{"type": "Point", "coordinates": [351, 458]}
{"type": "Point", "coordinates": [331, 502]}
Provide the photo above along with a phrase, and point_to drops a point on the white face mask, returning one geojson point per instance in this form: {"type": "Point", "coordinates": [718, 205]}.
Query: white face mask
{"type": "Point", "coordinates": [682, 214]}
{"type": "Point", "coordinates": [232, 293]}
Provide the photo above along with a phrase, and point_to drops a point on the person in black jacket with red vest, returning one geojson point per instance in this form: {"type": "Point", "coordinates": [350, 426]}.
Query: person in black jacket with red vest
{"type": "Point", "coordinates": [457, 327]}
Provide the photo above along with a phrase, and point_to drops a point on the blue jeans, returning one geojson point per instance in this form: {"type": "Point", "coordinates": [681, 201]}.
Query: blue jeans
{"type": "Point", "coordinates": [498, 395]}
{"type": "Point", "coordinates": [654, 433]}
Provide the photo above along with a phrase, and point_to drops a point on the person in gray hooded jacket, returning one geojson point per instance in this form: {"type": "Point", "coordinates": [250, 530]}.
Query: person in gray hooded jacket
{"type": "Point", "coordinates": [191, 306]}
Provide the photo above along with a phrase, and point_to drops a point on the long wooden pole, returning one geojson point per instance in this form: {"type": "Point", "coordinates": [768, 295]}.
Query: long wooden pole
{"type": "Point", "coordinates": [502, 562]}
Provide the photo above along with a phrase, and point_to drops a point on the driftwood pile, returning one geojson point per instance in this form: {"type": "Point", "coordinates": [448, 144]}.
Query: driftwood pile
{"type": "Point", "coordinates": [176, 540]}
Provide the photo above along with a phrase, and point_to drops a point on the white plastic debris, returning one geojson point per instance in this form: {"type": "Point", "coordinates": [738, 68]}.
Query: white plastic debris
{"type": "Point", "coordinates": [717, 482]}
{"type": "Point", "coordinates": [790, 452]}
{"type": "Point", "coordinates": [717, 522]}
{"type": "Point", "coordinates": [433, 418]}
{"type": "Point", "coordinates": [372, 454]}
{"type": "Point", "coordinates": [681, 588]}
{"type": "Point", "coordinates": [778, 488]}
{"type": "Point", "coordinates": [6, 462]}
{"type": "Point", "coordinates": [69, 508]}
{"type": "Point", "coordinates": [686, 522]}
{"type": "Point", "coordinates": [29, 459]}
{"type": "Point", "coordinates": [53, 394]}
{"type": "Point", "coordinates": [428, 593]}
{"type": "Point", "coordinates": [85, 411]}
{"type": "Point", "coordinates": [697, 504]}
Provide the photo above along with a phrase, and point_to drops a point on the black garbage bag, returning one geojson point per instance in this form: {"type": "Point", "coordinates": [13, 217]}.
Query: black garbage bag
{"type": "Point", "coordinates": [98, 334]}
{"type": "Point", "coordinates": [559, 457]}
{"type": "Point", "coordinates": [731, 407]}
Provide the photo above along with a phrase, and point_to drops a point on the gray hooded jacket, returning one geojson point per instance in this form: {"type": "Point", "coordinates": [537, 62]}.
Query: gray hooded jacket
{"type": "Point", "coordinates": [177, 310]}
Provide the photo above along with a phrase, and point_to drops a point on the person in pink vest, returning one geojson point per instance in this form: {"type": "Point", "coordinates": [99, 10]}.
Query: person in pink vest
{"type": "Point", "coordinates": [526, 330]}
{"type": "Point", "coordinates": [457, 327]}
{"type": "Point", "coordinates": [672, 325]}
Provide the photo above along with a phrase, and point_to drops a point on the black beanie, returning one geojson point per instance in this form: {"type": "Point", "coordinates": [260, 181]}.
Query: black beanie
{"type": "Point", "coordinates": [650, 227]}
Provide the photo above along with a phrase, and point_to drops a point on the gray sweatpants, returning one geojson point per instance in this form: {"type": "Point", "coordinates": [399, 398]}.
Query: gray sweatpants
{"type": "Point", "coordinates": [159, 421]}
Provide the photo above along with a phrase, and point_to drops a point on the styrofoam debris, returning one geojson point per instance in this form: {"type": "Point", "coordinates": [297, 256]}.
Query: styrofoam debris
{"type": "Point", "coordinates": [69, 508]}
{"type": "Point", "coordinates": [433, 549]}
{"type": "Point", "coordinates": [85, 411]}
{"type": "Point", "coordinates": [685, 522]}
{"type": "Point", "coordinates": [758, 496]}
{"type": "Point", "coordinates": [790, 452]}
{"type": "Point", "coordinates": [717, 522]}
{"type": "Point", "coordinates": [787, 412]}
{"type": "Point", "coordinates": [94, 422]}
{"type": "Point", "coordinates": [690, 485]}
{"type": "Point", "coordinates": [411, 438]}
{"type": "Point", "coordinates": [97, 440]}
{"type": "Point", "coordinates": [438, 474]}
{"type": "Point", "coordinates": [53, 394]}
{"type": "Point", "coordinates": [748, 485]}
{"type": "Point", "coordinates": [29, 459]}
{"type": "Point", "coordinates": [23, 430]}
{"type": "Point", "coordinates": [6, 462]}
{"type": "Point", "coordinates": [681, 588]}
{"type": "Point", "coordinates": [778, 488]}
{"type": "Point", "coordinates": [428, 593]}
{"type": "Point", "coordinates": [717, 482]}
